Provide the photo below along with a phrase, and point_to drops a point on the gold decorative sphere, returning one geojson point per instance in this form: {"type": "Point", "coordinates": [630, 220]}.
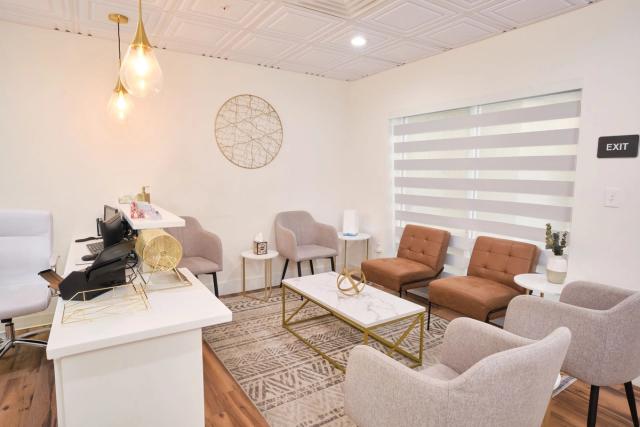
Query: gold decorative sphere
{"type": "Point", "coordinates": [352, 287]}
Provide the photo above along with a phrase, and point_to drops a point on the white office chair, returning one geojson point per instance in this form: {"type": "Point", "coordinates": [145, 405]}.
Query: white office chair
{"type": "Point", "coordinates": [25, 250]}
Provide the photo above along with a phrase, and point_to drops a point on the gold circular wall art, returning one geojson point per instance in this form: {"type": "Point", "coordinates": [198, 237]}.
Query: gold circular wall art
{"type": "Point", "coordinates": [248, 131]}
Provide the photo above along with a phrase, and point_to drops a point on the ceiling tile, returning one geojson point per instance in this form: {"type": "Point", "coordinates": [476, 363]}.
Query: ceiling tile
{"type": "Point", "coordinates": [405, 51]}
{"type": "Point", "coordinates": [318, 57]}
{"type": "Point", "coordinates": [185, 32]}
{"type": "Point", "coordinates": [92, 17]}
{"type": "Point", "coordinates": [364, 66]}
{"type": "Point", "coordinates": [521, 12]}
{"type": "Point", "coordinates": [298, 24]}
{"type": "Point", "coordinates": [235, 11]}
{"type": "Point", "coordinates": [342, 39]}
{"type": "Point", "coordinates": [261, 46]}
{"type": "Point", "coordinates": [460, 32]}
{"type": "Point", "coordinates": [404, 17]}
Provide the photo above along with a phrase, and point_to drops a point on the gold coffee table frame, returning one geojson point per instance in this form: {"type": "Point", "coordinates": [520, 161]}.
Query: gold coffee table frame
{"type": "Point", "coordinates": [392, 346]}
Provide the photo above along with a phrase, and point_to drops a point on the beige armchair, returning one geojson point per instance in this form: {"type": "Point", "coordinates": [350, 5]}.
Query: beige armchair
{"type": "Point", "coordinates": [487, 377]}
{"type": "Point", "coordinates": [605, 323]}
{"type": "Point", "coordinates": [201, 249]}
{"type": "Point", "coordinates": [300, 238]}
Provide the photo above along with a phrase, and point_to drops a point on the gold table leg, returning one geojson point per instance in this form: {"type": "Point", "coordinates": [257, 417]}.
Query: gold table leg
{"type": "Point", "coordinates": [267, 281]}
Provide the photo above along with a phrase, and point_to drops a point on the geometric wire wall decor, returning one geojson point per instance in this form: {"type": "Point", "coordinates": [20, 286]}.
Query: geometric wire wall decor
{"type": "Point", "coordinates": [248, 131]}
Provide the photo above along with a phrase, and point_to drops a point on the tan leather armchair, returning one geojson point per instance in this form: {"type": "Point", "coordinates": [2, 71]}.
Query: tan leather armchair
{"type": "Point", "coordinates": [488, 287]}
{"type": "Point", "coordinates": [420, 258]}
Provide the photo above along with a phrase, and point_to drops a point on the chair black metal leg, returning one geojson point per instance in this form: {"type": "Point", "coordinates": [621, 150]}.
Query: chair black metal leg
{"type": "Point", "coordinates": [215, 283]}
{"type": "Point", "coordinates": [593, 406]}
{"type": "Point", "coordinates": [299, 269]}
{"type": "Point", "coordinates": [333, 264]}
{"type": "Point", "coordinates": [284, 270]}
{"type": "Point", "coordinates": [311, 265]}
{"type": "Point", "coordinates": [429, 316]}
{"type": "Point", "coordinates": [628, 387]}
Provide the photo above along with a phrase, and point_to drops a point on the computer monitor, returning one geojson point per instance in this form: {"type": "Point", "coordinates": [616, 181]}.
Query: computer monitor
{"type": "Point", "coordinates": [109, 212]}
{"type": "Point", "coordinates": [112, 229]}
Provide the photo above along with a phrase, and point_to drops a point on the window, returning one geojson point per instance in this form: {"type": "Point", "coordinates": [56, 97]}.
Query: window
{"type": "Point", "coordinates": [502, 169]}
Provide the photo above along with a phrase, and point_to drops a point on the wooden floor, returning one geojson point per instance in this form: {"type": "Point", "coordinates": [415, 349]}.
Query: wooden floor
{"type": "Point", "coordinates": [27, 394]}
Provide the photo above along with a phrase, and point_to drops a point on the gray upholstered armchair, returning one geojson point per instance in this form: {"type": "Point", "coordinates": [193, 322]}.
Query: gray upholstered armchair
{"type": "Point", "coordinates": [201, 249]}
{"type": "Point", "coordinates": [605, 325]}
{"type": "Point", "coordinates": [487, 377]}
{"type": "Point", "coordinates": [300, 238]}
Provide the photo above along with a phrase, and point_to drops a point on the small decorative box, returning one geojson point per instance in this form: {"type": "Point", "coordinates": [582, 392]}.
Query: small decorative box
{"type": "Point", "coordinates": [260, 248]}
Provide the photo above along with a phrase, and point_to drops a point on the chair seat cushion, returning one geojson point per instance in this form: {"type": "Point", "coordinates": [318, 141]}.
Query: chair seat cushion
{"type": "Point", "coordinates": [198, 265]}
{"type": "Point", "coordinates": [306, 252]}
{"type": "Point", "coordinates": [392, 273]}
{"type": "Point", "coordinates": [470, 295]}
{"type": "Point", "coordinates": [440, 372]}
{"type": "Point", "coordinates": [23, 295]}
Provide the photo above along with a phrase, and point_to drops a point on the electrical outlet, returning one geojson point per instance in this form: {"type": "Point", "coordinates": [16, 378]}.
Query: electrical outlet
{"type": "Point", "coordinates": [378, 248]}
{"type": "Point", "coordinates": [612, 197]}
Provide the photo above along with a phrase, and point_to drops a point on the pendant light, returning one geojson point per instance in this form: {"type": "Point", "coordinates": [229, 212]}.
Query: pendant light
{"type": "Point", "coordinates": [140, 72]}
{"type": "Point", "coordinates": [120, 103]}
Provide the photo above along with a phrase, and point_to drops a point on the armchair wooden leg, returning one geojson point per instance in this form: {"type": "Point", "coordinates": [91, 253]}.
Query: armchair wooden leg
{"type": "Point", "coordinates": [593, 406]}
{"type": "Point", "coordinates": [284, 270]}
{"type": "Point", "coordinates": [311, 265]}
{"type": "Point", "coordinates": [333, 264]}
{"type": "Point", "coordinates": [215, 283]}
{"type": "Point", "coordinates": [628, 387]}
{"type": "Point", "coordinates": [299, 269]}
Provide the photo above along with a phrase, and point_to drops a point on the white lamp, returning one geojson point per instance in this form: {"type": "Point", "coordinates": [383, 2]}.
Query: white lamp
{"type": "Point", "coordinates": [350, 223]}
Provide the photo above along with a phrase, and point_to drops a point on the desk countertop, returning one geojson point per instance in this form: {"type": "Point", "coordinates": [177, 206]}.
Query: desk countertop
{"type": "Point", "coordinates": [171, 311]}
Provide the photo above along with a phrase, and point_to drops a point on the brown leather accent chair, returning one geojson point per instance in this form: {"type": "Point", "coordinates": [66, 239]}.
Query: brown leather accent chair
{"type": "Point", "coordinates": [488, 287]}
{"type": "Point", "coordinates": [420, 259]}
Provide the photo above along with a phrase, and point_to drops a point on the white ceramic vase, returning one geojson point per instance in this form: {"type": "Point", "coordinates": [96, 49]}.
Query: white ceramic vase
{"type": "Point", "coordinates": [556, 268]}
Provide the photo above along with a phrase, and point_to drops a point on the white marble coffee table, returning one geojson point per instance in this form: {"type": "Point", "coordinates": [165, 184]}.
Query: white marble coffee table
{"type": "Point", "coordinates": [367, 311]}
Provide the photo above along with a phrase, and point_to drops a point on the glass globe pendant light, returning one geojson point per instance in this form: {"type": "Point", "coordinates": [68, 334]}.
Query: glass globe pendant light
{"type": "Point", "coordinates": [120, 103]}
{"type": "Point", "coordinates": [140, 71]}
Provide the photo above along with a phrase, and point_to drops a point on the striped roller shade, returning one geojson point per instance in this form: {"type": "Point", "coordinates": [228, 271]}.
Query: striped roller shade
{"type": "Point", "coordinates": [502, 169]}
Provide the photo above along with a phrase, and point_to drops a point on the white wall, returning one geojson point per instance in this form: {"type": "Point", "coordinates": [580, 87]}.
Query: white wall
{"type": "Point", "coordinates": [594, 48]}
{"type": "Point", "coordinates": [59, 151]}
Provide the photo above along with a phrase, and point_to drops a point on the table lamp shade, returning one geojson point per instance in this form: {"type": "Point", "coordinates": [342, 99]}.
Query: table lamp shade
{"type": "Point", "coordinates": [350, 223]}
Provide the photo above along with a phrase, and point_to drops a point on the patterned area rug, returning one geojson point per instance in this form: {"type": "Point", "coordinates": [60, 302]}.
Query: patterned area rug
{"type": "Point", "coordinates": [288, 382]}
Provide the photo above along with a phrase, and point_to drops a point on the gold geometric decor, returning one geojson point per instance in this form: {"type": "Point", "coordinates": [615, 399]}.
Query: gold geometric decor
{"type": "Point", "coordinates": [354, 287]}
{"type": "Point", "coordinates": [248, 131]}
{"type": "Point", "coordinates": [160, 251]}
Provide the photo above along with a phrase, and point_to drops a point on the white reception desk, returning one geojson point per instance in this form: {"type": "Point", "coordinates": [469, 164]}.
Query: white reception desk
{"type": "Point", "coordinates": [142, 368]}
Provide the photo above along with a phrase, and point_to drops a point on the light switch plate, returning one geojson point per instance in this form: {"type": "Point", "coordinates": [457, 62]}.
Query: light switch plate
{"type": "Point", "coordinates": [612, 197]}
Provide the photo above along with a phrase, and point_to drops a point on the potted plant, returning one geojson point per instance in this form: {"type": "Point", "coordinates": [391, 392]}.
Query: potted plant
{"type": "Point", "coordinates": [556, 243]}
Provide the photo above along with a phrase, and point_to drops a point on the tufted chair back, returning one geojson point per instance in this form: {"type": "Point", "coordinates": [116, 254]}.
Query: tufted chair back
{"type": "Point", "coordinates": [500, 259]}
{"type": "Point", "coordinates": [425, 245]}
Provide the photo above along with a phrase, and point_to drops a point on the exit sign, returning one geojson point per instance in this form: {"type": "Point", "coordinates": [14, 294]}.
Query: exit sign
{"type": "Point", "coordinates": [618, 146]}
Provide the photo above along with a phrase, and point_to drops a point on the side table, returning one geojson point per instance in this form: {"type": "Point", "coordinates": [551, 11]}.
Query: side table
{"type": "Point", "coordinates": [536, 282]}
{"type": "Point", "coordinates": [357, 238]}
{"type": "Point", "coordinates": [267, 258]}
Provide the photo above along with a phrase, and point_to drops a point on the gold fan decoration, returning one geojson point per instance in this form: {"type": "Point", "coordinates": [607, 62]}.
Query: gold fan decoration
{"type": "Point", "coordinates": [159, 251]}
{"type": "Point", "coordinates": [353, 287]}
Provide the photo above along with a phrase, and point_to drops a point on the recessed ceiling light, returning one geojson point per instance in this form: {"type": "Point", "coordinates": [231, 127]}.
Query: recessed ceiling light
{"type": "Point", "coordinates": [358, 41]}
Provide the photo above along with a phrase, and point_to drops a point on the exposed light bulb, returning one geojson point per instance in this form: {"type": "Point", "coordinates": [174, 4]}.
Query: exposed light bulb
{"type": "Point", "coordinates": [358, 41]}
{"type": "Point", "coordinates": [120, 103]}
{"type": "Point", "coordinates": [140, 71]}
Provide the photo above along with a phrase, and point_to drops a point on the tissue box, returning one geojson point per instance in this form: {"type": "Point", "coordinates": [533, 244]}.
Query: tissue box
{"type": "Point", "coordinates": [260, 248]}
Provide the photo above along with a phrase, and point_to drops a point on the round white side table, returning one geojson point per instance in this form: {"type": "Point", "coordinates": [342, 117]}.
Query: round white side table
{"type": "Point", "coordinates": [267, 258]}
{"type": "Point", "coordinates": [537, 282]}
{"type": "Point", "coordinates": [357, 238]}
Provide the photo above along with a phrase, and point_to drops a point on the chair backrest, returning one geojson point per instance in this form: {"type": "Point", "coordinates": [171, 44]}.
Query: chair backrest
{"type": "Point", "coordinates": [425, 245]}
{"type": "Point", "coordinates": [187, 235]}
{"type": "Point", "coordinates": [301, 223]}
{"type": "Point", "coordinates": [25, 241]}
{"type": "Point", "coordinates": [501, 259]}
{"type": "Point", "coordinates": [509, 388]}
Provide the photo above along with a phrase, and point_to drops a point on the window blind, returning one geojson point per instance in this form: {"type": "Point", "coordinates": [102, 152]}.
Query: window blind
{"type": "Point", "coordinates": [503, 169]}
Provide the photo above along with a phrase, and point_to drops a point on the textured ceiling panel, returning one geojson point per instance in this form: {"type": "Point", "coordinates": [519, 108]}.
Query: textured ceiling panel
{"type": "Point", "coordinates": [305, 36]}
